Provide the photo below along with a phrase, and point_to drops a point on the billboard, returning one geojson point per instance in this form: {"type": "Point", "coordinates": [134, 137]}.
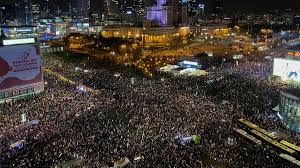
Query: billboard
{"type": "Point", "coordinates": [287, 68]}
{"type": "Point", "coordinates": [20, 71]}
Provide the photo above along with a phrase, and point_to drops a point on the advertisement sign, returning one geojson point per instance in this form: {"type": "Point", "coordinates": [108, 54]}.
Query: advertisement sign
{"type": "Point", "coordinates": [287, 69]}
{"type": "Point", "coordinates": [20, 71]}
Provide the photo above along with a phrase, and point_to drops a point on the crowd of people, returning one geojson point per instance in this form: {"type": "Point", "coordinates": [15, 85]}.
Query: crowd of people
{"type": "Point", "coordinates": [135, 117]}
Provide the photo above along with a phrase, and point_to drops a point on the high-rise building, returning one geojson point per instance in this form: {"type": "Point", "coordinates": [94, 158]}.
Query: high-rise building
{"type": "Point", "coordinates": [200, 13]}
{"type": "Point", "coordinates": [36, 11]}
{"type": "Point", "coordinates": [44, 7]}
{"type": "Point", "coordinates": [164, 12]}
{"type": "Point", "coordinates": [113, 8]}
{"type": "Point", "coordinates": [139, 8]}
{"type": "Point", "coordinates": [195, 10]}
{"type": "Point", "coordinates": [80, 9]}
{"type": "Point", "coordinates": [28, 12]}
{"type": "Point", "coordinates": [192, 7]}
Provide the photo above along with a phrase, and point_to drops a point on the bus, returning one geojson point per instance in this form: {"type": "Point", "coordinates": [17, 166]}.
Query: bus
{"type": "Point", "coordinates": [274, 143]}
{"type": "Point", "coordinates": [290, 159]}
{"type": "Point", "coordinates": [248, 137]}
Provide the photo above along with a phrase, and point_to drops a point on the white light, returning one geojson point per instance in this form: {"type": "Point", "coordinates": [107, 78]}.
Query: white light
{"type": "Point", "coordinates": [190, 63]}
{"type": "Point", "coordinates": [278, 114]}
{"type": "Point", "coordinates": [18, 41]}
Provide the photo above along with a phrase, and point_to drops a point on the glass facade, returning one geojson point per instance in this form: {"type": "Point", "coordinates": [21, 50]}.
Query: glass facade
{"type": "Point", "coordinates": [290, 111]}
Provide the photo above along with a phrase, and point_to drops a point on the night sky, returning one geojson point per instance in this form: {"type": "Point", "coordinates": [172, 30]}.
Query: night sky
{"type": "Point", "coordinates": [228, 4]}
{"type": "Point", "coordinates": [261, 4]}
{"type": "Point", "coordinates": [243, 4]}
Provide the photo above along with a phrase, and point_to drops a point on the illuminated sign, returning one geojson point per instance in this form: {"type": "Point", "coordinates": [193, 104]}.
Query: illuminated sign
{"type": "Point", "coordinates": [18, 41]}
{"type": "Point", "coordinates": [297, 54]}
{"type": "Point", "coordinates": [24, 30]}
{"type": "Point", "coordinates": [20, 71]}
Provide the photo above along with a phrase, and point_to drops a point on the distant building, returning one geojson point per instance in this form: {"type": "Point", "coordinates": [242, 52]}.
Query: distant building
{"type": "Point", "coordinates": [139, 10]}
{"type": "Point", "coordinates": [159, 36]}
{"type": "Point", "coordinates": [164, 12]}
{"type": "Point", "coordinates": [36, 11]}
{"type": "Point", "coordinates": [80, 9]}
{"type": "Point", "coordinates": [113, 7]}
{"type": "Point", "coordinates": [44, 8]}
{"type": "Point", "coordinates": [289, 108]}
{"type": "Point", "coordinates": [200, 13]}
{"type": "Point", "coordinates": [7, 14]}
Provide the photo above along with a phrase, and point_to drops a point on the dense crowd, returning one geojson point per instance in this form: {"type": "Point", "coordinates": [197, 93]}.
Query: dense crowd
{"type": "Point", "coordinates": [135, 117]}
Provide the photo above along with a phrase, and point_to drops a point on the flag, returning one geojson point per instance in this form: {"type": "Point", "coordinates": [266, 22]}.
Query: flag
{"type": "Point", "coordinates": [196, 139]}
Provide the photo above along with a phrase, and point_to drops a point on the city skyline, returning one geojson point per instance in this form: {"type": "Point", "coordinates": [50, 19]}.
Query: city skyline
{"type": "Point", "coordinates": [228, 4]}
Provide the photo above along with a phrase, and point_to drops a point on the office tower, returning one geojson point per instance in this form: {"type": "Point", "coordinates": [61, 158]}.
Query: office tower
{"type": "Point", "coordinates": [200, 13]}
{"type": "Point", "coordinates": [44, 7]}
{"type": "Point", "coordinates": [164, 12]}
{"type": "Point", "coordinates": [139, 8]}
{"type": "Point", "coordinates": [80, 9]}
{"type": "Point", "coordinates": [192, 7]}
{"type": "Point", "coordinates": [28, 12]}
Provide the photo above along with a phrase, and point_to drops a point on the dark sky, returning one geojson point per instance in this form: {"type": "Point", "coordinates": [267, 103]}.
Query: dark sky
{"type": "Point", "coordinates": [229, 4]}
{"type": "Point", "coordinates": [260, 4]}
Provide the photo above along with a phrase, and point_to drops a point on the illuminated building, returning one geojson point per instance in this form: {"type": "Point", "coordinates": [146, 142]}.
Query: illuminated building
{"type": "Point", "coordinates": [289, 108]}
{"type": "Point", "coordinates": [159, 36]}
{"type": "Point", "coordinates": [139, 8]}
{"type": "Point", "coordinates": [200, 15]}
{"type": "Point", "coordinates": [164, 12]}
{"type": "Point", "coordinates": [17, 32]}
{"type": "Point", "coordinates": [36, 12]}
{"type": "Point", "coordinates": [51, 27]}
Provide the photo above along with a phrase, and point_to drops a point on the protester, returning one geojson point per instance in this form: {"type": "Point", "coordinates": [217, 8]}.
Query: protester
{"type": "Point", "coordinates": [139, 119]}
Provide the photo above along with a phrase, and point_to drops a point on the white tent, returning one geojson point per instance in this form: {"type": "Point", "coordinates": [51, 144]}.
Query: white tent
{"type": "Point", "coordinates": [168, 68]}
{"type": "Point", "coordinates": [193, 72]}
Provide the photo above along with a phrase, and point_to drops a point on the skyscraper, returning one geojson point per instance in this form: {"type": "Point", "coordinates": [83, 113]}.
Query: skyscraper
{"type": "Point", "coordinates": [164, 12]}
{"type": "Point", "coordinates": [139, 7]}
{"type": "Point", "coordinates": [80, 9]}
{"type": "Point", "coordinates": [200, 13]}
{"type": "Point", "coordinates": [28, 12]}
{"type": "Point", "coordinates": [44, 7]}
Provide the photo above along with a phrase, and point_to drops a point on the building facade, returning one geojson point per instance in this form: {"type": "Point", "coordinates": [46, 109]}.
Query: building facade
{"type": "Point", "coordinates": [289, 108]}
{"type": "Point", "coordinates": [164, 12]}
{"type": "Point", "coordinates": [159, 36]}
